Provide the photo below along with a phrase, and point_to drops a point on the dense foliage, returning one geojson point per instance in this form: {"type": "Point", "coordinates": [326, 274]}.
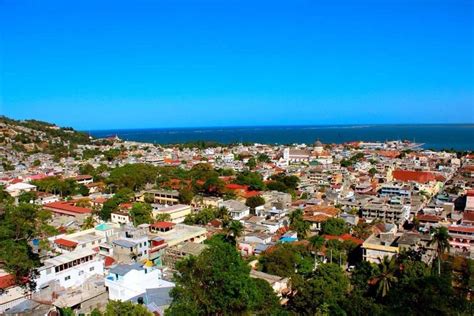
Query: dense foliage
{"type": "Point", "coordinates": [217, 282]}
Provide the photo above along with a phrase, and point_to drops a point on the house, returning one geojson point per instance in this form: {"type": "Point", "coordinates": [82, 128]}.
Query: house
{"type": "Point", "coordinates": [237, 209]}
{"type": "Point", "coordinates": [84, 179]}
{"type": "Point", "coordinates": [174, 234]}
{"type": "Point", "coordinates": [461, 239]}
{"type": "Point", "coordinates": [89, 238]}
{"type": "Point", "coordinates": [69, 209]}
{"type": "Point", "coordinates": [120, 217]}
{"type": "Point", "coordinates": [279, 284]}
{"type": "Point", "coordinates": [167, 197]}
{"type": "Point", "coordinates": [176, 212]}
{"type": "Point", "coordinates": [180, 251]}
{"type": "Point", "coordinates": [126, 281]}
{"type": "Point", "coordinates": [70, 269]}
{"type": "Point", "coordinates": [18, 188]}
{"type": "Point", "coordinates": [131, 245]}
{"type": "Point", "coordinates": [318, 214]}
{"type": "Point", "coordinates": [380, 245]}
{"type": "Point", "coordinates": [11, 294]}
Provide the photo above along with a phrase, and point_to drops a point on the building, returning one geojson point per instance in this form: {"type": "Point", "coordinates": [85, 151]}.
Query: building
{"type": "Point", "coordinates": [176, 212]}
{"type": "Point", "coordinates": [10, 293]}
{"type": "Point", "coordinates": [380, 245]}
{"type": "Point", "coordinates": [69, 209]}
{"type": "Point", "coordinates": [126, 281]}
{"type": "Point", "coordinates": [279, 284]}
{"type": "Point", "coordinates": [70, 269]}
{"type": "Point", "coordinates": [174, 234]}
{"type": "Point", "coordinates": [390, 213]}
{"type": "Point", "coordinates": [461, 238]}
{"type": "Point", "coordinates": [167, 197]}
{"type": "Point", "coordinates": [20, 187]}
{"type": "Point", "coordinates": [395, 190]}
{"type": "Point", "coordinates": [180, 251]}
{"type": "Point", "coordinates": [318, 214]}
{"type": "Point", "coordinates": [237, 209]}
{"type": "Point", "coordinates": [121, 218]}
{"type": "Point", "coordinates": [130, 245]}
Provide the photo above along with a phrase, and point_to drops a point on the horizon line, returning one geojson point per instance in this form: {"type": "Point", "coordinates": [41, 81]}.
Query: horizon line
{"type": "Point", "coordinates": [266, 126]}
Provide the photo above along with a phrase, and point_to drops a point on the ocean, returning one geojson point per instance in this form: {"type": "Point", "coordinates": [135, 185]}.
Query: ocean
{"type": "Point", "coordinates": [434, 136]}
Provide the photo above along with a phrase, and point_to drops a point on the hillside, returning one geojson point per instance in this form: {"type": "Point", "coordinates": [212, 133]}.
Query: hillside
{"type": "Point", "coordinates": [36, 136]}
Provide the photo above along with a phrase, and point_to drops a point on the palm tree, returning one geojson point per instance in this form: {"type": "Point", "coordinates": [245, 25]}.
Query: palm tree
{"type": "Point", "coordinates": [386, 278]}
{"type": "Point", "coordinates": [298, 223]}
{"type": "Point", "coordinates": [441, 239]}
{"type": "Point", "coordinates": [89, 222]}
{"type": "Point", "coordinates": [234, 230]}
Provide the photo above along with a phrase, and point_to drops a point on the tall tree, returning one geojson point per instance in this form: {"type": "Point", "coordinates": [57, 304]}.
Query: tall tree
{"type": "Point", "coordinates": [386, 277]}
{"type": "Point", "coordinates": [141, 213]}
{"type": "Point", "coordinates": [298, 224]}
{"type": "Point", "coordinates": [217, 282]}
{"type": "Point", "coordinates": [441, 239]}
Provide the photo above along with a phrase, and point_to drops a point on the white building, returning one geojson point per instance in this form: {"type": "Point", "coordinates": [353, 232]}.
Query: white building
{"type": "Point", "coordinates": [125, 281]}
{"type": "Point", "coordinates": [237, 209]}
{"type": "Point", "coordinates": [20, 187]}
{"type": "Point", "coordinates": [177, 212]}
{"type": "Point", "coordinates": [70, 269]}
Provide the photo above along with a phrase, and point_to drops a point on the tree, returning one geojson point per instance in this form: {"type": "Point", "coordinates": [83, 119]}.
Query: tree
{"type": "Point", "coordinates": [386, 277]}
{"type": "Point", "coordinates": [126, 308]}
{"type": "Point", "coordinates": [334, 226]}
{"type": "Point", "coordinates": [89, 222]}
{"type": "Point", "coordinates": [298, 224]}
{"type": "Point", "coordinates": [19, 225]}
{"type": "Point", "coordinates": [83, 190]}
{"type": "Point", "coordinates": [263, 158]}
{"type": "Point", "coordinates": [441, 239]}
{"type": "Point", "coordinates": [163, 217]}
{"type": "Point", "coordinates": [372, 171]}
{"type": "Point", "coordinates": [217, 282]}
{"type": "Point", "coordinates": [316, 243]}
{"type": "Point", "coordinates": [254, 202]}
{"type": "Point", "coordinates": [141, 213]}
{"type": "Point", "coordinates": [251, 163]}
{"type": "Point", "coordinates": [286, 260]}
{"type": "Point", "coordinates": [186, 196]}
{"type": "Point", "coordinates": [233, 231]}
{"type": "Point", "coordinates": [327, 286]}
{"type": "Point", "coordinates": [27, 197]}
{"type": "Point", "coordinates": [132, 176]}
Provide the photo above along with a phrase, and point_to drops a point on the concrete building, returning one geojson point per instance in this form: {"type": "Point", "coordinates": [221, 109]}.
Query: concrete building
{"type": "Point", "coordinates": [70, 269]}
{"type": "Point", "coordinates": [381, 245]}
{"type": "Point", "coordinates": [176, 212]}
{"type": "Point", "coordinates": [237, 209]}
{"type": "Point", "coordinates": [174, 234]}
{"type": "Point", "coordinates": [126, 281]}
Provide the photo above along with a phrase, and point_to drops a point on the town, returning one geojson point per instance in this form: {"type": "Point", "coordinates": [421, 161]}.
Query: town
{"type": "Point", "coordinates": [91, 226]}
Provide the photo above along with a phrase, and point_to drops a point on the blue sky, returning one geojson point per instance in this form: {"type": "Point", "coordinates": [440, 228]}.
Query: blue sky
{"type": "Point", "coordinates": [176, 63]}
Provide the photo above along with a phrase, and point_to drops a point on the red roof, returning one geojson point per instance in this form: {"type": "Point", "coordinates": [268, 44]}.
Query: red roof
{"type": "Point", "coordinates": [162, 225]}
{"type": "Point", "coordinates": [428, 218]}
{"type": "Point", "coordinates": [235, 186]}
{"type": "Point", "coordinates": [7, 281]}
{"type": "Point", "coordinates": [67, 207]}
{"type": "Point", "coordinates": [344, 237]}
{"type": "Point", "coordinates": [416, 176]}
{"type": "Point", "coordinates": [109, 261]}
{"type": "Point", "coordinates": [468, 216]}
{"type": "Point", "coordinates": [470, 193]}
{"type": "Point", "coordinates": [83, 177]}
{"type": "Point", "coordinates": [463, 229]}
{"type": "Point", "coordinates": [65, 243]}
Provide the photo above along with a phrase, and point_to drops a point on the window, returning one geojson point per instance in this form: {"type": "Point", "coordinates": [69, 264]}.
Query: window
{"type": "Point", "coordinates": [91, 269]}
{"type": "Point", "coordinates": [67, 278]}
{"type": "Point", "coordinates": [48, 271]}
